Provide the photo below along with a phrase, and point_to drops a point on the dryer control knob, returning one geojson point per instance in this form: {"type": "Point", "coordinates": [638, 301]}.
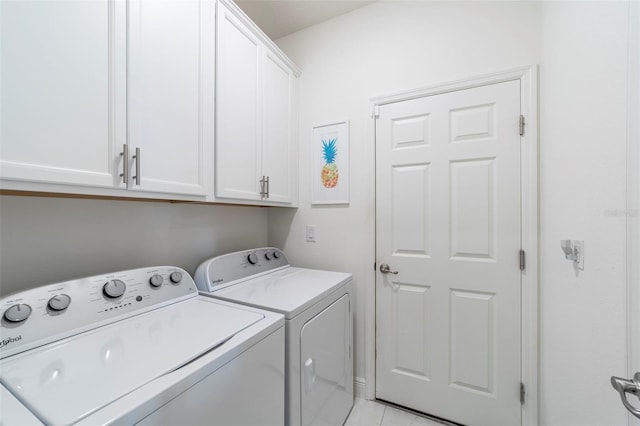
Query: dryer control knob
{"type": "Point", "coordinates": [18, 312]}
{"type": "Point", "coordinates": [59, 302]}
{"type": "Point", "coordinates": [156, 280]}
{"type": "Point", "coordinates": [252, 258]}
{"type": "Point", "coordinates": [175, 277]}
{"type": "Point", "coordinates": [276, 255]}
{"type": "Point", "coordinates": [268, 256]}
{"type": "Point", "coordinates": [114, 288]}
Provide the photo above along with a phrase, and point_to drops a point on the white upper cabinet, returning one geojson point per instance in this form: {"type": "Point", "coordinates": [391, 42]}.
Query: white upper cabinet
{"type": "Point", "coordinates": [237, 121]}
{"type": "Point", "coordinates": [63, 91]}
{"type": "Point", "coordinates": [279, 149]}
{"type": "Point", "coordinates": [170, 95]}
{"type": "Point", "coordinates": [145, 99]}
{"type": "Point", "coordinates": [256, 115]}
{"type": "Point", "coordinates": [86, 82]}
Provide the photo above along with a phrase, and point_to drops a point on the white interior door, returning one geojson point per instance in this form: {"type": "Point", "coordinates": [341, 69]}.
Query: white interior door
{"type": "Point", "coordinates": [448, 222]}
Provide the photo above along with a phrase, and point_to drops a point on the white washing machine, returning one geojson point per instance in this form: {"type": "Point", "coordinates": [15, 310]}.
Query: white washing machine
{"type": "Point", "coordinates": [318, 322]}
{"type": "Point", "coordinates": [138, 347]}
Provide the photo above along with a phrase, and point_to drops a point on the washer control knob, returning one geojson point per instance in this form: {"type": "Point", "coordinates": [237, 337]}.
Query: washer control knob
{"type": "Point", "coordinates": [59, 302]}
{"type": "Point", "coordinates": [252, 258]}
{"type": "Point", "coordinates": [276, 255]}
{"type": "Point", "coordinates": [175, 277]}
{"type": "Point", "coordinates": [156, 280]}
{"type": "Point", "coordinates": [268, 256]}
{"type": "Point", "coordinates": [18, 312]}
{"type": "Point", "coordinates": [114, 288]}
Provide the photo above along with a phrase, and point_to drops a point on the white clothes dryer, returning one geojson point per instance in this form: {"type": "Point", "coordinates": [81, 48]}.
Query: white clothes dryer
{"type": "Point", "coordinates": [138, 347]}
{"type": "Point", "coordinates": [318, 322]}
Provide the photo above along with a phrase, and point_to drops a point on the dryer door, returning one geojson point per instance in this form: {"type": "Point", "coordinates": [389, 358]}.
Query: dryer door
{"type": "Point", "coordinates": [327, 369]}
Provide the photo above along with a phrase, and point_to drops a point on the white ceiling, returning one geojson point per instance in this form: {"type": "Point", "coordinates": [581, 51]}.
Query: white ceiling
{"type": "Point", "coordinates": [278, 18]}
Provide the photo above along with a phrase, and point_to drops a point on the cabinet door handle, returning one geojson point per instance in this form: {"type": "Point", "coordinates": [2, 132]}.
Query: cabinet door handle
{"type": "Point", "coordinates": [267, 187]}
{"type": "Point", "coordinates": [263, 187]}
{"type": "Point", "coordinates": [125, 164]}
{"type": "Point", "coordinates": [136, 178]}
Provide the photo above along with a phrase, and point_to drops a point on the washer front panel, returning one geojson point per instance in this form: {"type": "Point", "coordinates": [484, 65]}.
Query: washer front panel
{"type": "Point", "coordinates": [64, 309]}
{"type": "Point", "coordinates": [64, 382]}
{"type": "Point", "coordinates": [229, 269]}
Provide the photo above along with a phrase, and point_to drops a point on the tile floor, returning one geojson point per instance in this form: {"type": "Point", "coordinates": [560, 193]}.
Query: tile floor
{"type": "Point", "coordinates": [373, 413]}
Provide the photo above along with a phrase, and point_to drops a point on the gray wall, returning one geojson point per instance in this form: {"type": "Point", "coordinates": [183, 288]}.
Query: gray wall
{"type": "Point", "coordinates": [47, 240]}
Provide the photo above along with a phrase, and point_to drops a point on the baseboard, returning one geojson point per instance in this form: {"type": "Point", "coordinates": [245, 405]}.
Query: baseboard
{"type": "Point", "coordinates": [359, 388]}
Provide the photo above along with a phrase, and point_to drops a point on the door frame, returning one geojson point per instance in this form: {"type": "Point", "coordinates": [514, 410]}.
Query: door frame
{"type": "Point", "coordinates": [528, 77]}
{"type": "Point", "coordinates": [633, 197]}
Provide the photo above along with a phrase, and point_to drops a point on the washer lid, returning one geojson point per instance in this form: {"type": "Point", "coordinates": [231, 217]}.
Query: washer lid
{"type": "Point", "coordinates": [64, 382]}
{"type": "Point", "coordinates": [288, 291]}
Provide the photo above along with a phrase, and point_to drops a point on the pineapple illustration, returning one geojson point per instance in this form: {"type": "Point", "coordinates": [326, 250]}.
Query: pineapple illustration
{"type": "Point", "coordinates": [329, 170]}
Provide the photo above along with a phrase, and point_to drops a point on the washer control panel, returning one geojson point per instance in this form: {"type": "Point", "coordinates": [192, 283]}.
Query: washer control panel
{"type": "Point", "coordinates": [222, 271]}
{"type": "Point", "coordinates": [52, 312]}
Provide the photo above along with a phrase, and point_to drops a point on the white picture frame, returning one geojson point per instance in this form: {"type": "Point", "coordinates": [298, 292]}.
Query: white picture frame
{"type": "Point", "coordinates": [330, 163]}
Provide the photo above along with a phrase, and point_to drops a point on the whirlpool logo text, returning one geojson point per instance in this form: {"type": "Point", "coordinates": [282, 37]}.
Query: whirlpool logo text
{"type": "Point", "coordinates": [9, 340]}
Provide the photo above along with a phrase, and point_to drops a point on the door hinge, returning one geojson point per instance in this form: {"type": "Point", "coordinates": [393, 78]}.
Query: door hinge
{"type": "Point", "coordinates": [375, 113]}
{"type": "Point", "coordinates": [522, 393]}
{"type": "Point", "coordinates": [523, 260]}
{"type": "Point", "coordinates": [521, 123]}
{"type": "Point", "coordinates": [374, 266]}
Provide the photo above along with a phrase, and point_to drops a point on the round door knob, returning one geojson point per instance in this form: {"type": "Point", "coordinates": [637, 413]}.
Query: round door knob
{"type": "Point", "coordinates": [175, 277]}
{"type": "Point", "coordinates": [17, 313]}
{"type": "Point", "coordinates": [252, 258]}
{"type": "Point", "coordinates": [114, 288]}
{"type": "Point", "coordinates": [156, 280]}
{"type": "Point", "coordinates": [59, 302]}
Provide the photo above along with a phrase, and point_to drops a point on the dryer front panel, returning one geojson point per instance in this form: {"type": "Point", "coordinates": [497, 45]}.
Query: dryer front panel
{"type": "Point", "coordinates": [326, 376]}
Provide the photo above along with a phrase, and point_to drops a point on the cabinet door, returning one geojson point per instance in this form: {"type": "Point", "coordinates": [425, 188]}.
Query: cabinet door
{"type": "Point", "coordinates": [170, 94]}
{"type": "Point", "coordinates": [238, 150]}
{"type": "Point", "coordinates": [63, 91]}
{"type": "Point", "coordinates": [278, 147]}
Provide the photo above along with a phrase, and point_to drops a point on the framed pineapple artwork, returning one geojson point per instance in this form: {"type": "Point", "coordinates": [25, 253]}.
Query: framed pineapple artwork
{"type": "Point", "coordinates": [330, 164]}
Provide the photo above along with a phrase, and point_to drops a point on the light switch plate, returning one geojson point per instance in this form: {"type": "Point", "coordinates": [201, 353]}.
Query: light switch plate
{"type": "Point", "coordinates": [311, 234]}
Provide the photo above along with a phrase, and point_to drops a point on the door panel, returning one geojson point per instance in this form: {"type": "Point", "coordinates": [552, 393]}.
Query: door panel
{"type": "Point", "coordinates": [410, 207]}
{"type": "Point", "coordinates": [448, 220]}
{"type": "Point", "coordinates": [472, 336]}
{"type": "Point", "coordinates": [472, 209]}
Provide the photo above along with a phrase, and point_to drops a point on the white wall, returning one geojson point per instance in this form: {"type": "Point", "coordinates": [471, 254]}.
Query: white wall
{"type": "Point", "coordinates": [382, 48]}
{"type": "Point", "coordinates": [47, 240]}
{"type": "Point", "coordinates": [581, 49]}
{"type": "Point", "coordinates": [583, 85]}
